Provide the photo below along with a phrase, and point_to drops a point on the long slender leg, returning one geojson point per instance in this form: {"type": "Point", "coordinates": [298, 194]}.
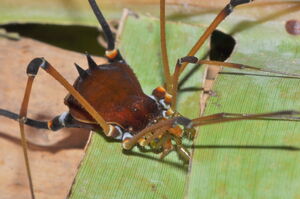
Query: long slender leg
{"type": "Point", "coordinates": [231, 65]}
{"type": "Point", "coordinates": [40, 62]}
{"type": "Point", "coordinates": [22, 120]}
{"type": "Point", "coordinates": [163, 45]}
{"type": "Point", "coordinates": [191, 59]}
{"type": "Point", "coordinates": [175, 77]}
{"type": "Point", "coordinates": [65, 120]}
{"type": "Point", "coordinates": [228, 117]}
{"type": "Point", "coordinates": [172, 81]}
{"type": "Point", "coordinates": [243, 66]}
{"type": "Point", "coordinates": [111, 53]}
{"type": "Point", "coordinates": [219, 18]}
{"type": "Point", "coordinates": [30, 122]}
{"type": "Point", "coordinates": [32, 70]}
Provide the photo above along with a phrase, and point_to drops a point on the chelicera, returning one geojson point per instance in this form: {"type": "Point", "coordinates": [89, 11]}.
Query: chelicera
{"type": "Point", "coordinates": [109, 97]}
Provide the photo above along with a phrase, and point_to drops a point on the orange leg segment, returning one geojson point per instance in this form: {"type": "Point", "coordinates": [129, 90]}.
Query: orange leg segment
{"type": "Point", "coordinates": [32, 70]}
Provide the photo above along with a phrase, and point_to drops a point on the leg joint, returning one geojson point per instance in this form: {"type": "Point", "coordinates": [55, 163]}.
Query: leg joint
{"type": "Point", "coordinates": [22, 120]}
{"type": "Point", "coordinates": [35, 64]}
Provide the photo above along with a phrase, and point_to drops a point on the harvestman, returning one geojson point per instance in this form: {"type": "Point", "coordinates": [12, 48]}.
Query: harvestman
{"type": "Point", "coordinates": [109, 97]}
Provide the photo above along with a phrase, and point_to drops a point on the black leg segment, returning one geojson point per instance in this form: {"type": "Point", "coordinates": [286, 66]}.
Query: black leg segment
{"type": "Point", "coordinates": [65, 120]}
{"type": "Point", "coordinates": [104, 25]}
{"type": "Point", "coordinates": [29, 122]}
{"type": "Point", "coordinates": [111, 53]}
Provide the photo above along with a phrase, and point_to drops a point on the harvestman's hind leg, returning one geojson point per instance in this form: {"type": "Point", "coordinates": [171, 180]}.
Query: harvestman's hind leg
{"type": "Point", "coordinates": [32, 70]}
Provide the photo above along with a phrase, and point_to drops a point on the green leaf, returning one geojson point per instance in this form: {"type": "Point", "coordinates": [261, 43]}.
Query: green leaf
{"type": "Point", "coordinates": [252, 159]}
{"type": "Point", "coordinates": [106, 172]}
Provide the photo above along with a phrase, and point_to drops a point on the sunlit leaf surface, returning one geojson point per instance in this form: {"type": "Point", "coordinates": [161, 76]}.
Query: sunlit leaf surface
{"type": "Point", "coordinates": [252, 159]}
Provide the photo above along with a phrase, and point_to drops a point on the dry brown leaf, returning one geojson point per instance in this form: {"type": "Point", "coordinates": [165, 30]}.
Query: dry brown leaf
{"type": "Point", "coordinates": [54, 166]}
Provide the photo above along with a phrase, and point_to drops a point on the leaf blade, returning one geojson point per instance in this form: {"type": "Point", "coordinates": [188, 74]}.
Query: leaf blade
{"type": "Point", "coordinates": [251, 159]}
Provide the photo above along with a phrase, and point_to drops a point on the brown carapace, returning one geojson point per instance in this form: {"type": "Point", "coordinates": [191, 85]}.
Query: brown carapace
{"type": "Point", "coordinates": [109, 97]}
{"type": "Point", "coordinates": [114, 91]}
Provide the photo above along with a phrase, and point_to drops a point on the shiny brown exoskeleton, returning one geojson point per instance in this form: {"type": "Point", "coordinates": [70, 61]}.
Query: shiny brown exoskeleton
{"type": "Point", "coordinates": [114, 91]}
{"type": "Point", "coordinates": [109, 97]}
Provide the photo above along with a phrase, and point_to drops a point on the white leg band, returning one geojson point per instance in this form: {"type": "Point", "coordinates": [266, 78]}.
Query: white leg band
{"type": "Point", "coordinates": [126, 135]}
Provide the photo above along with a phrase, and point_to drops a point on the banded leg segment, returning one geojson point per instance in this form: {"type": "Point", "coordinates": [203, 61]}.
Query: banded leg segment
{"type": "Point", "coordinates": [40, 62]}
{"type": "Point", "coordinates": [111, 53]}
{"type": "Point", "coordinates": [172, 81]}
{"type": "Point", "coordinates": [32, 70]}
{"type": "Point", "coordinates": [65, 120]}
{"type": "Point", "coordinates": [227, 10]}
{"type": "Point", "coordinates": [30, 122]}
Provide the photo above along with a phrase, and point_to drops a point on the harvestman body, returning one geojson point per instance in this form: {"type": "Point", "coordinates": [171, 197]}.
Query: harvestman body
{"type": "Point", "coordinates": [109, 97]}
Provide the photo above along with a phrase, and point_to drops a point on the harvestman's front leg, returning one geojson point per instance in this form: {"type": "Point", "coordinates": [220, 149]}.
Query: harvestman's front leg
{"type": "Point", "coordinates": [32, 70]}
